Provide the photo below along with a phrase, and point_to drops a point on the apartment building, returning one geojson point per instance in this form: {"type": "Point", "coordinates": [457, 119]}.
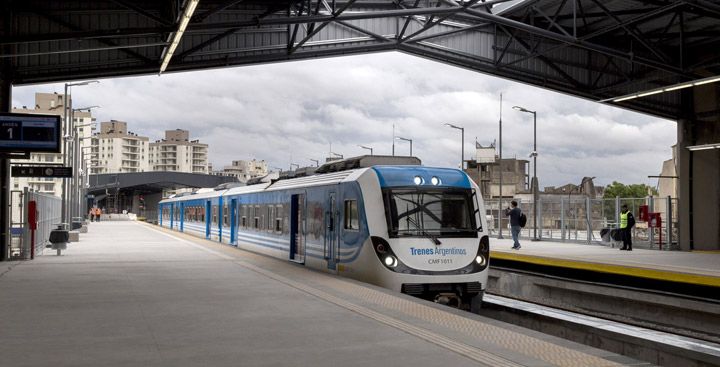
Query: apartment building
{"type": "Point", "coordinates": [178, 153]}
{"type": "Point", "coordinates": [485, 171]}
{"type": "Point", "coordinates": [245, 170]}
{"type": "Point", "coordinates": [53, 104]}
{"type": "Point", "coordinates": [117, 150]}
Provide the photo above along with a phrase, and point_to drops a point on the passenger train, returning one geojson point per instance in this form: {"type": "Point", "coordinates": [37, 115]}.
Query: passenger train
{"type": "Point", "coordinates": [412, 229]}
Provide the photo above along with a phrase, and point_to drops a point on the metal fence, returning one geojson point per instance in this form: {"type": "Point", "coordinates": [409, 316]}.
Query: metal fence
{"type": "Point", "coordinates": [49, 214]}
{"type": "Point", "coordinates": [583, 219]}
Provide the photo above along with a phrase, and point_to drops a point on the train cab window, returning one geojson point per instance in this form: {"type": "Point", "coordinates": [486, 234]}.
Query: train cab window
{"type": "Point", "coordinates": [350, 215]}
{"type": "Point", "coordinates": [278, 219]}
{"type": "Point", "coordinates": [437, 211]}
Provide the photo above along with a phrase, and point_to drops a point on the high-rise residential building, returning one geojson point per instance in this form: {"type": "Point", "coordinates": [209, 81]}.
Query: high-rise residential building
{"type": "Point", "coordinates": [53, 104]}
{"type": "Point", "coordinates": [117, 150]}
{"type": "Point", "coordinates": [178, 153]}
{"type": "Point", "coordinates": [244, 170]}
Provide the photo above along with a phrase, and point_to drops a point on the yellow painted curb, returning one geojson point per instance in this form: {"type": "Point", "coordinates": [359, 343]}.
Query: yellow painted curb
{"type": "Point", "coordinates": [612, 269]}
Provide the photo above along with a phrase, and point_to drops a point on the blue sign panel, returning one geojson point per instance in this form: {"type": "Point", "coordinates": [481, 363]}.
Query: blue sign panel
{"type": "Point", "coordinates": [24, 132]}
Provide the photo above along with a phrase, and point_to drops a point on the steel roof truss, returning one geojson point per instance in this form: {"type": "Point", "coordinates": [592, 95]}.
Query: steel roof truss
{"type": "Point", "coordinates": [429, 23]}
{"type": "Point", "coordinates": [319, 28]}
{"type": "Point", "coordinates": [407, 21]}
{"type": "Point", "coordinates": [142, 12]}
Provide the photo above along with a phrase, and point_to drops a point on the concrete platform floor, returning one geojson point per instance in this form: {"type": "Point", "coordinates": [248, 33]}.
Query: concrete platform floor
{"type": "Point", "coordinates": [132, 294]}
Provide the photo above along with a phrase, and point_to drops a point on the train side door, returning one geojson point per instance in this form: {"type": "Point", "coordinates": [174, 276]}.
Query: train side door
{"type": "Point", "coordinates": [208, 208]}
{"type": "Point", "coordinates": [182, 216]}
{"type": "Point", "coordinates": [331, 241]}
{"type": "Point", "coordinates": [297, 228]}
{"type": "Point", "coordinates": [233, 221]}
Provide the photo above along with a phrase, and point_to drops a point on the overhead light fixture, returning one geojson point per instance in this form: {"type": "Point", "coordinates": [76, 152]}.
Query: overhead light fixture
{"type": "Point", "coordinates": [671, 88]}
{"type": "Point", "coordinates": [706, 81]}
{"type": "Point", "coordinates": [704, 147]}
{"type": "Point", "coordinates": [190, 6]}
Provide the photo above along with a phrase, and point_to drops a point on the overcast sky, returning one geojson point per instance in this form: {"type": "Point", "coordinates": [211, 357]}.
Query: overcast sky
{"type": "Point", "coordinates": [289, 112]}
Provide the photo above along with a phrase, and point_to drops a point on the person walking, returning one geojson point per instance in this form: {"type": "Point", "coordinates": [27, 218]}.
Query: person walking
{"type": "Point", "coordinates": [514, 214]}
{"type": "Point", "coordinates": [627, 221]}
{"type": "Point", "coordinates": [92, 214]}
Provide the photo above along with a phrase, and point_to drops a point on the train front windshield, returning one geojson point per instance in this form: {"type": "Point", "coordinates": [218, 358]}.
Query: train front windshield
{"type": "Point", "coordinates": [440, 212]}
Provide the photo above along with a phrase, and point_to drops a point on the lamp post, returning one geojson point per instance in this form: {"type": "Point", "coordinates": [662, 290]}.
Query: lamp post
{"type": "Point", "coordinates": [534, 156]}
{"type": "Point", "coordinates": [368, 148]}
{"type": "Point", "coordinates": [337, 155]}
{"type": "Point", "coordinates": [84, 181]}
{"type": "Point", "coordinates": [462, 150]}
{"type": "Point", "coordinates": [317, 162]}
{"type": "Point", "coordinates": [76, 162]}
{"type": "Point", "coordinates": [410, 140]}
{"type": "Point", "coordinates": [67, 109]}
{"type": "Point", "coordinates": [294, 164]}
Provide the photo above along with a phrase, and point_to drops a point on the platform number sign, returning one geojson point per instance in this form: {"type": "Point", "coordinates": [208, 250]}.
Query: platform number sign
{"type": "Point", "coordinates": [24, 132]}
{"type": "Point", "coordinates": [10, 130]}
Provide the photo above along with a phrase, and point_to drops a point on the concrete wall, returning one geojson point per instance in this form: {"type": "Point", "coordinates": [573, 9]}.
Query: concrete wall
{"type": "Point", "coordinates": [699, 171]}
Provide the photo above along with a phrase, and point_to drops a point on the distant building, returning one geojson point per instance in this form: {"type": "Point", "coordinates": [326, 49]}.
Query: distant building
{"type": "Point", "coordinates": [244, 170]}
{"type": "Point", "coordinates": [53, 104]}
{"type": "Point", "coordinates": [117, 150]}
{"type": "Point", "coordinates": [668, 181]}
{"type": "Point", "coordinates": [484, 170]}
{"type": "Point", "coordinates": [178, 153]}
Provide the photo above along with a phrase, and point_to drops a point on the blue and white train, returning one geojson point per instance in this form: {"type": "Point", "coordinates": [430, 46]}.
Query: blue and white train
{"type": "Point", "coordinates": [412, 229]}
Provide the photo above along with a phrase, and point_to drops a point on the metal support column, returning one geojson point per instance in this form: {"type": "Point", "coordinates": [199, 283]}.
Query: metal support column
{"type": "Point", "coordinates": [5, 106]}
{"type": "Point", "coordinates": [668, 221]}
{"type": "Point", "coordinates": [588, 216]}
{"type": "Point", "coordinates": [651, 232]}
{"type": "Point", "coordinates": [562, 219]}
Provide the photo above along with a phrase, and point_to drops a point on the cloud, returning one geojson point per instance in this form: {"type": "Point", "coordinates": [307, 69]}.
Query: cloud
{"type": "Point", "coordinates": [297, 110]}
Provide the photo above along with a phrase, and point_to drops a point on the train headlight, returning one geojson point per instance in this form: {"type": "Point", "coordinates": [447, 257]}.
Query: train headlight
{"type": "Point", "coordinates": [391, 261]}
{"type": "Point", "coordinates": [418, 180]}
{"type": "Point", "coordinates": [435, 180]}
{"type": "Point", "coordinates": [480, 260]}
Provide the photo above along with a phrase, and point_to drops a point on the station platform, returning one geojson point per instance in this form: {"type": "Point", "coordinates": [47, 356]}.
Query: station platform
{"type": "Point", "coordinates": [696, 268]}
{"type": "Point", "coordinates": [133, 294]}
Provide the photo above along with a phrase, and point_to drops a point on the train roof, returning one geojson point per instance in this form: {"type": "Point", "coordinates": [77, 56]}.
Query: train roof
{"type": "Point", "coordinates": [387, 175]}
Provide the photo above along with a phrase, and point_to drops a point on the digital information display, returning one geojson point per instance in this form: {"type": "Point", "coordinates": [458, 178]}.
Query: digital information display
{"type": "Point", "coordinates": [23, 132]}
{"type": "Point", "coordinates": [40, 171]}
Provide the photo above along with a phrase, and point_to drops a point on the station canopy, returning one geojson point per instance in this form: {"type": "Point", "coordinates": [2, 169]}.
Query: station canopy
{"type": "Point", "coordinates": [639, 51]}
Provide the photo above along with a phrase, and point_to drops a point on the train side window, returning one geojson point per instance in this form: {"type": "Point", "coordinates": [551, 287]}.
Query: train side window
{"type": "Point", "coordinates": [243, 216]}
{"type": "Point", "coordinates": [257, 217]}
{"type": "Point", "coordinates": [214, 214]}
{"type": "Point", "coordinates": [350, 215]}
{"type": "Point", "coordinates": [225, 215]}
{"type": "Point", "coordinates": [269, 224]}
{"type": "Point", "coordinates": [278, 218]}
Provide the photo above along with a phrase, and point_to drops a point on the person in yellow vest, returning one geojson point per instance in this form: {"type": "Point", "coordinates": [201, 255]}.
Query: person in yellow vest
{"type": "Point", "coordinates": [92, 214]}
{"type": "Point", "coordinates": [627, 221]}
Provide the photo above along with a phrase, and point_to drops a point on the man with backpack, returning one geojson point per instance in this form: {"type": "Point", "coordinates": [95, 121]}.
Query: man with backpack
{"type": "Point", "coordinates": [514, 213]}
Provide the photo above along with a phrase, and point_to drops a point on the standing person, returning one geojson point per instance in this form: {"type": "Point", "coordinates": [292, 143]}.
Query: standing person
{"type": "Point", "coordinates": [92, 214]}
{"type": "Point", "coordinates": [514, 214]}
{"type": "Point", "coordinates": [627, 221]}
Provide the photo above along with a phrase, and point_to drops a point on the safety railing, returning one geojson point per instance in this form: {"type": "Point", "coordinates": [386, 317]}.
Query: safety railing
{"type": "Point", "coordinates": [48, 209]}
{"type": "Point", "coordinates": [579, 219]}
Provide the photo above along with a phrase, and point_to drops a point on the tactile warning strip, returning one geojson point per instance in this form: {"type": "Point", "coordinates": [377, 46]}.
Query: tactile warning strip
{"type": "Point", "coordinates": [435, 338]}
{"type": "Point", "coordinates": [511, 340]}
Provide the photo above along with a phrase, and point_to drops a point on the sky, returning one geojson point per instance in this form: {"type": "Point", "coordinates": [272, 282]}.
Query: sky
{"type": "Point", "coordinates": [296, 111]}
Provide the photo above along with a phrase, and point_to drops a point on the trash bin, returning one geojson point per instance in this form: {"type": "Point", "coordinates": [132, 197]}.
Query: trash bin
{"type": "Point", "coordinates": [59, 238]}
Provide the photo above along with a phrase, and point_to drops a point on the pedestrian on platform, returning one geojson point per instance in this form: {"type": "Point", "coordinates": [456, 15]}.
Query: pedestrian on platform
{"type": "Point", "coordinates": [92, 214]}
{"type": "Point", "coordinates": [514, 214]}
{"type": "Point", "coordinates": [627, 221]}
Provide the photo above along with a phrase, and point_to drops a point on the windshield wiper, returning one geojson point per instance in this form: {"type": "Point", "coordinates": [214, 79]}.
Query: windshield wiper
{"type": "Point", "coordinates": [424, 232]}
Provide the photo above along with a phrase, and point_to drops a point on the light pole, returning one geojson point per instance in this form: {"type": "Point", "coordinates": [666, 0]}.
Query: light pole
{"type": "Point", "coordinates": [76, 162]}
{"type": "Point", "coordinates": [364, 147]}
{"type": "Point", "coordinates": [462, 129]}
{"type": "Point", "coordinates": [294, 164]}
{"type": "Point", "coordinates": [410, 140]}
{"type": "Point", "coordinates": [84, 181]}
{"type": "Point", "coordinates": [337, 155]}
{"type": "Point", "coordinates": [534, 156]}
{"type": "Point", "coordinates": [67, 109]}
{"type": "Point", "coordinates": [317, 162]}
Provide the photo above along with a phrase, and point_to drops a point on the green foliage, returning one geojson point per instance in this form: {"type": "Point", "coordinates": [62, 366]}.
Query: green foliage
{"type": "Point", "coordinates": [630, 191]}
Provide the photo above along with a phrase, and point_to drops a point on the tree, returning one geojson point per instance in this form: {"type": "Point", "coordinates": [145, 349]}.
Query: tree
{"type": "Point", "coordinates": [630, 191]}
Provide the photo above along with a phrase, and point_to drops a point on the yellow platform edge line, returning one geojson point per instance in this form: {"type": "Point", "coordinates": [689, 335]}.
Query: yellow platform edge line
{"type": "Point", "coordinates": [612, 269]}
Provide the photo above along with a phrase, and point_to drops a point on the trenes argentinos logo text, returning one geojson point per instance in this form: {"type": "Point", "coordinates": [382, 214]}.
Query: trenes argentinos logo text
{"type": "Point", "coordinates": [437, 251]}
